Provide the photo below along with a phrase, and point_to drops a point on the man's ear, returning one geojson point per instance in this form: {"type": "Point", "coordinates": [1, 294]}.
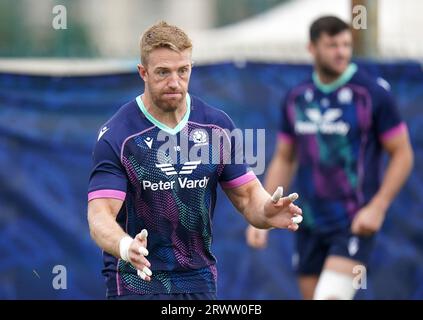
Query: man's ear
{"type": "Point", "coordinates": [142, 71]}
{"type": "Point", "coordinates": [310, 48]}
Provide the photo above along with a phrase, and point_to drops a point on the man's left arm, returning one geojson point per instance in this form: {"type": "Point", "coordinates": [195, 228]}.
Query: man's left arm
{"type": "Point", "coordinates": [256, 204]}
{"type": "Point", "coordinates": [370, 218]}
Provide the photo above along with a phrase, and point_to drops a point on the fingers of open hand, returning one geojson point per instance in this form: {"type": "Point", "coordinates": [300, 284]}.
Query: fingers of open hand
{"type": "Point", "coordinates": [295, 210]}
{"type": "Point", "coordinates": [142, 265]}
{"type": "Point", "coordinates": [138, 253]}
{"type": "Point", "coordinates": [286, 201]}
{"type": "Point", "coordinates": [145, 274]}
{"type": "Point", "coordinates": [138, 260]}
{"type": "Point", "coordinates": [293, 226]}
{"type": "Point", "coordinates": [142, 237]}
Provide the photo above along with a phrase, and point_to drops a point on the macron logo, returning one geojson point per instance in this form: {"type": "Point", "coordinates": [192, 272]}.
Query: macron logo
{"type": "Point", "coordinates": [187, 168]}
{"type": "Point", "coordinates": [149, 142]}
{"type": "Point", "coordinates": [324, 123]}
{"type": "Point", "coordinates": [102, 132]}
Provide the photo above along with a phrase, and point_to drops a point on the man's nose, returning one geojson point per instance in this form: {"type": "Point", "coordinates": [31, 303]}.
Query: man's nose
{"type": "Point", "coordinates": [342, 51]}
{"type": "Point", "coordinates": [173, 80]}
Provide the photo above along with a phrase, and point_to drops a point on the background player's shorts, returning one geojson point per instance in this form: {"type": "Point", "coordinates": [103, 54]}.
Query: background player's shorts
{"type": "Point", "coordinates": [175, 296]}
{"type": "Point", "coordinates": [313, 249]}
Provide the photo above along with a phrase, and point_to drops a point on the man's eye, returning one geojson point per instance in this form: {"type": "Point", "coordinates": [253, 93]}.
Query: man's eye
{"type": "Point", "coordinates": [163, 73]}
{"type": "Point", "coordinates": [183, 72]}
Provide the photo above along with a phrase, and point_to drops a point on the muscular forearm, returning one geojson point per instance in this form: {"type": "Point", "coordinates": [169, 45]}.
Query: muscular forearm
{"type": "Point", "coordinates": [104, 229]}
{"type": "Point", "coordinates": [397, 172]}
{"type": "Point", "coordinates": [254, 208]}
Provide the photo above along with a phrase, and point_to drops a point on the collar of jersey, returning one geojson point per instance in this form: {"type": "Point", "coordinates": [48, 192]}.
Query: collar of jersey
{"type": "Point", "coordinates": [343, 79]}
{"type": "Point", "coordinates": [162, 126]}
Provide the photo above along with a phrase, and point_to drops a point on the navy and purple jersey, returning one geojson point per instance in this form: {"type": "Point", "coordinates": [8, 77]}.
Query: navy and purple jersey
{"type": "Point", "coordinates": [338, 130]}
{"type": "Point", "coordinates": [169, 188]}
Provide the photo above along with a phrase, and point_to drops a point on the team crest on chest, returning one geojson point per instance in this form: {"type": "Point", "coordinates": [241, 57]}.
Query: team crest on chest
{"type": "Point", "coordinates": [199, 137]}
{"type": "Point", "coordinates": [345, 96]}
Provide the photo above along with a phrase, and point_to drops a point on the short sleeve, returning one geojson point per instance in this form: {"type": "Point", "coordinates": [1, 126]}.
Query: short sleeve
{"type": "Point", "coordinates": [236, 172]}
{"type": "Point", "coordinates": [108, 178]}
{"type": "Point", "coordinates": [388, 121]}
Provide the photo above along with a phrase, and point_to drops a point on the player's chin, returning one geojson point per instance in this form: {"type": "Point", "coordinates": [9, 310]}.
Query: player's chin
{"type": "Point", "coordinates": [169, 106]}
{"type": "Point", "coordinates": [339, 67]}
{"type": "Point", "coordinates": [171, 103]}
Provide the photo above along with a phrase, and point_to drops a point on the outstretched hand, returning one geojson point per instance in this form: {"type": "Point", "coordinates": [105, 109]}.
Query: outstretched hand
{"type": "Point", "coordinates": [137, 253]}
{"type": "Point", "coordinates": [281, 212]}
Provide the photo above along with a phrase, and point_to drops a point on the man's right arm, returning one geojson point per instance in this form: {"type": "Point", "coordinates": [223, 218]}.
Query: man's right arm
{"type": "Point", "coordinates": [280, 173]}
{"type": "Point", "coordinates": [104, 229]}
{"type": "Point", "coordinates": [109, 236]}
{"type": "Point", "coordinates": [106, 194]}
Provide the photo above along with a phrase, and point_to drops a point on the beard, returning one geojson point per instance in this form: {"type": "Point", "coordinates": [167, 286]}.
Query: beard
{"type": "Point", "coordinates": [168, 104]}
{"type": "Point", "coordinates": [327, 70]}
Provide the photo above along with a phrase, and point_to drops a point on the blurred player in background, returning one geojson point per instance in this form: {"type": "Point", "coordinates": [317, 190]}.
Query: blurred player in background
{"type": "Point", "coordinates": [334, 129]}
{"type": "Point", "coordinates": [139, 191]}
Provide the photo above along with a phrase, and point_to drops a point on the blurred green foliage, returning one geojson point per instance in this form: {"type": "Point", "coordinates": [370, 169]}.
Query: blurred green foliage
{"type": "Point", "coordinates": [24, 37]}
{"type": "Point", "coordinates": [26, 26]}
{"type": "Point", "coordinates": [230, 11]}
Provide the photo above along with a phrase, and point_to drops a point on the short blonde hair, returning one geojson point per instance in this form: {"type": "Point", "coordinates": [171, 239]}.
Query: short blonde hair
{"type": "Point", "coordinates": [163, 35]}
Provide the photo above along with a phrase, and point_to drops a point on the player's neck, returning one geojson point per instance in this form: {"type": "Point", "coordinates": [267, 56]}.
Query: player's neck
{"type": "Point", "coordinates": [326, 78]}
{"type": "Point", "coordinates": [169, 118]}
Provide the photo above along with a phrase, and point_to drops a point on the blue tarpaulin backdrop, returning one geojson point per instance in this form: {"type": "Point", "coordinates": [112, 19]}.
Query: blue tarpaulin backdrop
{"type": "Point", "coordinates": [48, 126]}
